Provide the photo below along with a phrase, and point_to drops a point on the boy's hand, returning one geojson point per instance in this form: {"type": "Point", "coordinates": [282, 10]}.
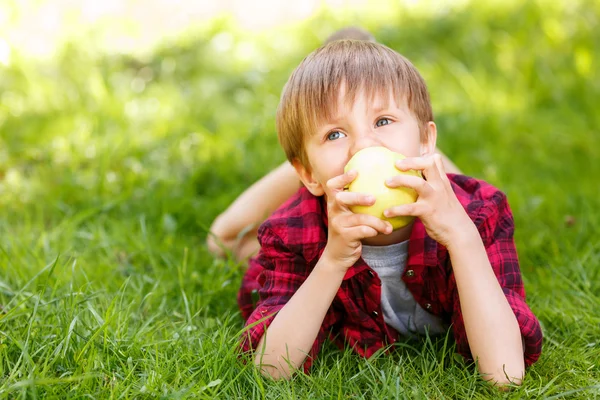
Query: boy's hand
{"type": "Point", "coordinates": [437, 206]}
{"type": "Point", "coordinates": [346, 229]}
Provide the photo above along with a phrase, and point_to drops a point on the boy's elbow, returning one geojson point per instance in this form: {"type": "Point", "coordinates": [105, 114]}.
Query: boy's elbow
{"type": "Point", "coordinates": [270, 365]}
{"type": "Point", "coordinates": [222, 241]}
{"type": "Point", "coordinates": [216, 245]}
{"type": "Point", "coordinates": [274, 374]}
{"type": "Point", "coordinates": [504, 378]}
{"type": "Point", "coordinates": [505, 384]}
{"type": "Point", "coordinates": [270, 371]}
{"type": "Point", "coordinates": [218, 241]}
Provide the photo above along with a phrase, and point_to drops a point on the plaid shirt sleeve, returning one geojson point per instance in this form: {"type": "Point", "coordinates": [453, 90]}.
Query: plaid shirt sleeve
{"type": "Point", "coordinates": [496, 226]}
{"type": "Point", "coordinates": [284, 271]}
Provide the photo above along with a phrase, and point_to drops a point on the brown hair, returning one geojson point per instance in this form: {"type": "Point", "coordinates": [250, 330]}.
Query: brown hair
{"type": "Point", "coordinates": [311, 93]}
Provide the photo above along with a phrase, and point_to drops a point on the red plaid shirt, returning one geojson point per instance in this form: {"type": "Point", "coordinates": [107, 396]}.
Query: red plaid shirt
{"type": "Point", "coordinates": [294, 237]}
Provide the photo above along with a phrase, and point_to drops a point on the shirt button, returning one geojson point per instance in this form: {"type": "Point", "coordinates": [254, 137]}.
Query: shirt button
{"type": "Point", "coordinates": [410, 273]}
{"type": "Point", "coordinates": [375, 314]}
{"type": "Point", "coordinates": [428, 306]}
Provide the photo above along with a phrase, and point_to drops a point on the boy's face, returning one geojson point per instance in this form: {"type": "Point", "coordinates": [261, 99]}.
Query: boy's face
{"type": "Point", "coordinates": [355, 127]}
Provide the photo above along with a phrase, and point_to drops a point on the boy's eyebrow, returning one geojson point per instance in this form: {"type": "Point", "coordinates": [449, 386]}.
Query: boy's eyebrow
{"type": "Point", "coordinates": [379, 109]}
{"type": "Point", "coordinates": [382, 106]}
{"type": "Point", "coordinates": [333, 120]}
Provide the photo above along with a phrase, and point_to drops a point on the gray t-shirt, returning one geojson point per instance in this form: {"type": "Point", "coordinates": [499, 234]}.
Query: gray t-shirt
{"type": "Point", "coordinates": [400, 309]}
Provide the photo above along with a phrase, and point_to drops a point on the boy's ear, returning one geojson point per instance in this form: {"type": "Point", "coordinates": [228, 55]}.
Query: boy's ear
{"type": "Point", "coordinates": [429, 138]}
{"type": "Point", "coordinates": [308, 179]}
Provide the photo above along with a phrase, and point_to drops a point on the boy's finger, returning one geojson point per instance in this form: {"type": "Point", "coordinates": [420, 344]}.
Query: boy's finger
{"type": "Point", "coordinates": [378, 224]}
{"type": "Point", "coordinates": [430, 165]}
{"type": "Point", "coordinates": [418, 163]}
{"type": "Point", "coordinates": [440, 169]}
{"type": "Point", "coordinates": [355, 199]}
{"type": "Point", "coordinates": [420, 185]}
{"type": "Point", "coordinates": [361, 232]}
{"type": "Point", "coordinates": [341, 181]}
{"type": "Point", "coordinates": [412, 209]}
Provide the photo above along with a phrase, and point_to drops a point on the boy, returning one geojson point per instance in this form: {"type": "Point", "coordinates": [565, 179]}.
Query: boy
{"type": "Point", "coordinates": [323, 270]}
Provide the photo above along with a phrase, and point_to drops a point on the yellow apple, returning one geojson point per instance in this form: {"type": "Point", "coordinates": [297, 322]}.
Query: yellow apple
{"type": "Point", "coordinates": [374, 166]}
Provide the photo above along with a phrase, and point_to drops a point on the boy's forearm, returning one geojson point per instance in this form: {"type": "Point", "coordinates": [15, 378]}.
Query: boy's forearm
{"type": "Point", "coordinates": [291, 335]}
{"type": "Point", "coordinates": [491, 326]}
{"type": "Point", "coordinates": [257, 202]}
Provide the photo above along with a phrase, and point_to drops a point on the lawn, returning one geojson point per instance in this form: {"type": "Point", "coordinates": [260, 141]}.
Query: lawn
{"type": "Point", "coordinates": [113, 167]}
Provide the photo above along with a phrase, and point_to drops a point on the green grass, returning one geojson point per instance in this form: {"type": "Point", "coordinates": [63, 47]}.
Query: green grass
{"type": "Point", "coordinates": [112, 168]}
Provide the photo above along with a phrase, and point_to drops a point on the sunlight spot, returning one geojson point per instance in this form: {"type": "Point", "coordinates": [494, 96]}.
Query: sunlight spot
{"type": "Point", "coordinates": [535, 202]}
{"type": "Point", "coordinates": [134, 165]}
{"type": "Point", "coordinates": [62, 152]}
{"type": "Point", "coordinates": [131, 109]}
{"type": "Point", "coordinates": [583, 61]}
{"type": "Point", "coordinates": [13, 102]}
{"type": "Point", "coordinates": [152, 105]}
{"type": "Point", "coordinates": [4, 53]}
{"type": "Point", "coordinates": [222, 42]}
{"type": "Point", "coordinates": [554, 30]}
{"type": "Point", "coordinates": [13, 178]}
{"type": "Point", "coordinates": [111, 177]}
{"type": "Point", "coordinates": [243, 96]}
{"type": "Point", "coordinates": [138, 84]}
{"type": "Point", "coordinates": [491, 172]}
{"type": "Point", "coordinates": [168, 65]}
{"type": "Point", "coordinates": [246, 51]}
{"type": "Point", "coordinates": [169, 223]}
{"type": "Point", "coordinates": [90, 151]}
{"type": "Point", "coordinates": [146, 74]}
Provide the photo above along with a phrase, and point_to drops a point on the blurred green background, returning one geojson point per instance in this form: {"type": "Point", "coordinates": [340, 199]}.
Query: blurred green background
{"type": "Point", "coordinates": [125, 129]}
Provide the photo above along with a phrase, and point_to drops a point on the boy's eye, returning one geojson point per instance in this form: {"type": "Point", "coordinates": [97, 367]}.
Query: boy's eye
{"type": "Point", "coordinates": [383, 121]}
{"type": "Point", "coordinates": [334, 135]}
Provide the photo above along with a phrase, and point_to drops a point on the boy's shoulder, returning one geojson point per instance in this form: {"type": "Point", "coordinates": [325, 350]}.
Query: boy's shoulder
{"type": "Point", "coordinates": [478, 197]}
{"type": "Point", "coordinates": [302, 204]}
{"type": "Point", "coordinates": [485, 205]}
{"type": "Point", "coordinates": [300, 223]}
